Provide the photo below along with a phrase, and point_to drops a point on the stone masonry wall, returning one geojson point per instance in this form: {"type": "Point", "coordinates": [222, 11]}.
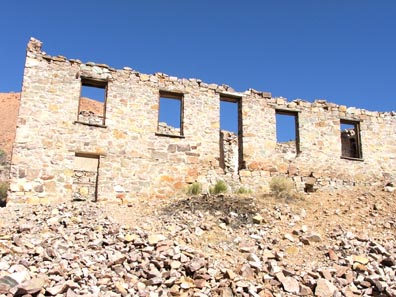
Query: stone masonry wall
{"type": "Point", "coordinates": [84, 185]}
{"type": "Point", "coordinates": [229, 160]}
{"type": "Point", "coordinates": [138, 160]}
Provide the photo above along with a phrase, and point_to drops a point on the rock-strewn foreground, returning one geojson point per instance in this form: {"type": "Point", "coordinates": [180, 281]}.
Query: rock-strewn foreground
{"type": "Point", "coordinates": [334, 244]}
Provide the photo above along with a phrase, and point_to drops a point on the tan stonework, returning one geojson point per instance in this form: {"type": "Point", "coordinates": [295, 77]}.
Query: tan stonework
{"type": "Point", "coordinates": [135, 160]}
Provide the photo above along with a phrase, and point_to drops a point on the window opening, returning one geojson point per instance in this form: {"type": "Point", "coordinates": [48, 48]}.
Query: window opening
{"type": "Point", "coordinates": [229, 116]}
{"type": "Point", "coordinates": [287, 136]}
{"type": "Point", "coordinates": [231, 154]}
{"type": "Point", "coordinates": [92, 105]}
{"type": "Point", "coordinates": [308, 188]}
{"type": "Point", "coordinates": [85, 179]}
{"type": "Point", "coordinates": [170, 118]}
{"type": "Point", "coordinates": [350, 139]}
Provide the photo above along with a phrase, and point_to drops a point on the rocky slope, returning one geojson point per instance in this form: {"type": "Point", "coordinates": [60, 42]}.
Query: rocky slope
{"type": "Point", "coordinates": [327, 244]}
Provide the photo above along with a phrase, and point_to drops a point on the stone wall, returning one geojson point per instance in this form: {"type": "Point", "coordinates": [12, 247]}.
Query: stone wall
{"type": "Point", "coordinates": [164, 128]}
{"type": "Point", "coordinates": [139, 160]}
{"type": "Point", "coordinates": [90, 117]}
{"type": "Point", "coordinates": [229, 156]}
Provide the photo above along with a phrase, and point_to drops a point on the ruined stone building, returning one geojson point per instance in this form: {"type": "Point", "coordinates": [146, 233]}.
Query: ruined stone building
{"type": "Point", "coordinates": [118, 147]}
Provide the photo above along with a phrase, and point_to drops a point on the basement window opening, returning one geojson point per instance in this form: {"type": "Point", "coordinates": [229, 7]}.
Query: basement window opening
{"type": "Point", "coordinates": [287, 134]}
{"type": "Point", "coordinates": [92, 103]}
{"type": "Point", "coordinates": [231, 153]}
{"type": "Point", "coordinates": [170, 115]}
{"type": "Point", "coordinates": [350, 139]}
{"type": "Point", "coordinates": [86, 176]}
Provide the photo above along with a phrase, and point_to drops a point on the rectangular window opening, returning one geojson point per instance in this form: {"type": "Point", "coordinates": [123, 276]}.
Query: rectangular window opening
{"type": "Point", "coordinates": [86, 176]}
{"type": "Point", "coordinates": [287, 135]}
{"type": "Point", "coordinates": [92, 104]}
{"type": "Point", "coordinates": [231, 154]}
{"type": "Point", "coordinates": [170, 116]}
{"type": "Point", "coordinates": [350, 139]}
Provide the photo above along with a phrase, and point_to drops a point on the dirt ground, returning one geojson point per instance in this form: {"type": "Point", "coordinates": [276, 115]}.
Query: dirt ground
{"type": "Point", "coordinates": [222, 225]}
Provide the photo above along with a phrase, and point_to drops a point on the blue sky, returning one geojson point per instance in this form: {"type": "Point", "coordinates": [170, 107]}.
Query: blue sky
{"type": "Point", "coordinates": [342, 51]}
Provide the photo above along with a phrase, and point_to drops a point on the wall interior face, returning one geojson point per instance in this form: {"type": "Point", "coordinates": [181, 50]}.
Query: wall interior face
{"type": "Point", "coordinates": [350, 139]}
{"type": "Point", "coordinates": [135, 160]}
{"type": "Point", "coordinates": [85, 177]}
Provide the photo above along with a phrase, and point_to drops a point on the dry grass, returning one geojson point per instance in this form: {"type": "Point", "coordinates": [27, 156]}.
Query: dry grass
{"type": "Point", "coordinates": [194, 189]}
{"type": "Point", "coordinates": [281, 185]}
{"type": "Point", "coordinates": [284, 188]}
{"type": "Point", "coordinates": [218, 188]}
{"type": "Point", "coordinates": [243, 191]}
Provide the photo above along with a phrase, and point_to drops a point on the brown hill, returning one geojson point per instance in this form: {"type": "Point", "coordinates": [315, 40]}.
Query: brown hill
{"type": "Point", "coordinates": [9, 106]}
{"type": "Point", "coordinates": [91, 105]}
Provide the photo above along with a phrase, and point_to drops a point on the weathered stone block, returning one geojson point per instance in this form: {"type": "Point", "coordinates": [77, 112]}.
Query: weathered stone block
{"type": "Point", "coordinates": [183, 147]}
{"type": "Point", "coordinates": [245, 173]}
{"type": "Point", "coordinates": [172, 148]}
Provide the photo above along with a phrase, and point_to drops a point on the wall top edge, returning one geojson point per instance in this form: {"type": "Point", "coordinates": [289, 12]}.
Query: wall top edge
{"type": "Point", "coordinates": [34, 49]}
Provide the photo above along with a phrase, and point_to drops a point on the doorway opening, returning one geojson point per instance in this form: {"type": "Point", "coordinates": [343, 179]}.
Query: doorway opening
{"type": "Point", "coordinates": [231, 154]}
{"type": "Point", "coordinates": [85, 178]}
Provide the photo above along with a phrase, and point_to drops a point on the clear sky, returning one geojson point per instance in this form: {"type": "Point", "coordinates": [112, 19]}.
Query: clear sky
{"type": "Point", "coordinates": [341, 51]}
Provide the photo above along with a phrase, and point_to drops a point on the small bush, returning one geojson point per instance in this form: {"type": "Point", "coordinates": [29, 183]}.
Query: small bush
{"type": "Point", "coordinates": [243, 190]}
{"type": "Point", "coordinates": [219, 187]}
{"type": "Point", "coordinates": [195, 189]}
{"type": "Point", "coordinates": [282, 186]}
{"type": "Point", "coordinates": [3, 156]}
{"type": "Point", "coordinates": [3, 193]}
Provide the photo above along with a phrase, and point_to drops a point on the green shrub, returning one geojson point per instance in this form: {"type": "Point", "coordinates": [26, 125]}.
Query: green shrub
{"type": "Point", "coordinates": [195, 189]}
{"type": "Point", "coordinates": [243, 190]}
{"type": "Point", "coordinates": [3, 156]}
{"type": "Point", "coordinates": [282, 186]}
{"type": "Point", "coordinates": [219, 187]}
{"type": "Point", "coordinates": [3, 193]}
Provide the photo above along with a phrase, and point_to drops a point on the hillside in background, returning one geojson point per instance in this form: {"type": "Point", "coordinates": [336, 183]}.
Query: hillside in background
{"type": "Point", "coordinates": [9, 105]}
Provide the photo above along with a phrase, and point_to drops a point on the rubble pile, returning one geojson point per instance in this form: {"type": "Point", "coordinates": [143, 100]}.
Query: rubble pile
{"type": "Point", "coordinates": [200, 246]}
{"type": "Point", "coordinates": [73, 249]}
{"type": "Point", "coordinates": [164, 128]}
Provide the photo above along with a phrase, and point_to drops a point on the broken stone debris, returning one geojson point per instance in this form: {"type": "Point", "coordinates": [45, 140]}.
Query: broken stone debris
{"type": "Point", "coordinates": [77, 250]}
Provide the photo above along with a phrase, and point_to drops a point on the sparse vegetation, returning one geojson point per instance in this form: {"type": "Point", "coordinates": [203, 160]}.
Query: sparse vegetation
{"type": "Point", "coordinates": [3, 156]}
{"type": "Point", "coordinates": [219, 187]}
{"type": "Point", "coordinates": [282, 187]}
{"type": "Point", "coordinates": [243, 190]}
{"type": "Point", "coordinates": [194, 189]}
{"type": "Point", "coordinates": [3, 193]}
